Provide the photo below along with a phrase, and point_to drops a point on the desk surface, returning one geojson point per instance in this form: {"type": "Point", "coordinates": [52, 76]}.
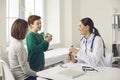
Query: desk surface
{"type": "Point", "coordinates": [56, 55]}
{"type": "Point", "coordinates": [104, 73]}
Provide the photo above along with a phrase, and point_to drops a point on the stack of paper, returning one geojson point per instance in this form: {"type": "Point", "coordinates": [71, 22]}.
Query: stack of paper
{"type": "Point", "coordinates": [73, 73]}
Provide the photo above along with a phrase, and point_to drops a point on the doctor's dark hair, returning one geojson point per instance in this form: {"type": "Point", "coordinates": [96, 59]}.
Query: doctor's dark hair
{"type": "Point", "coordinates": [87, 21]}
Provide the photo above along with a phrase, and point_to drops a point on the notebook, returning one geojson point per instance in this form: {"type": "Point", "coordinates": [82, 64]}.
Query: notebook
{"type": "Point", "coordinates": [73, 73]}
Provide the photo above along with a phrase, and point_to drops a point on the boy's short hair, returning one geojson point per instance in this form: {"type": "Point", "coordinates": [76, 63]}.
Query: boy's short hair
{"type": "Point", "coordinates": [32, 18]}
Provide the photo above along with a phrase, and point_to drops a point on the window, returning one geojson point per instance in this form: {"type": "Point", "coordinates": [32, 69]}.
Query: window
{"type": "Point", "coordinates": [22, 9]}
{"type": "Point", "coordinates": [12, 12]}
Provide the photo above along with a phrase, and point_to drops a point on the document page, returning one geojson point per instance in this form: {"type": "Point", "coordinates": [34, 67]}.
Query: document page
{"type": "Point", "coordinates": [73, 73]}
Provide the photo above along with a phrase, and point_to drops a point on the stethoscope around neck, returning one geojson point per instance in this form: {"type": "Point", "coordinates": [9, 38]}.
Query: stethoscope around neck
{"type": "Point", "coordinates": [91, 47]}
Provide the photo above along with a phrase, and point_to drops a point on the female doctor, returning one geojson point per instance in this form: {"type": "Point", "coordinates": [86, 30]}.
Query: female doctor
{"type": "Point", "coordinates": [92, 47]}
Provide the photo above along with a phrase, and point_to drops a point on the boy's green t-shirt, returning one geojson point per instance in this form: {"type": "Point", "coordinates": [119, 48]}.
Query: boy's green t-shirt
{"type": "Point", "coordinates": [36, 45]}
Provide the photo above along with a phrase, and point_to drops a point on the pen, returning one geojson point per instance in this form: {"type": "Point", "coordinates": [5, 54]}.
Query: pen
{"type": "Point", "coordinates": [86, 67]}
{"type": "Point", "coordinates": [71, 46]}
{"type": "Point", "coordinates": [45, 78]}
{"type": "Point", "coordinates": [70, 53]}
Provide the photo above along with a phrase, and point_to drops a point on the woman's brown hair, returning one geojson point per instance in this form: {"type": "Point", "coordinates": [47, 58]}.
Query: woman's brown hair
{"type": "Point", "coordinates": [19, 29]}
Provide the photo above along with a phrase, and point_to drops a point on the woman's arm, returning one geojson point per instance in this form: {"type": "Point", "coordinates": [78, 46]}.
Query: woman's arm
{"type": "Point", "coordinates": [22, 59]}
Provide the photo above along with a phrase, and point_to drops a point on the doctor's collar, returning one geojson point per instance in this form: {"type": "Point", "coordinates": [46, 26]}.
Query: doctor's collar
{"type": "Point", "coordinates": [83, 37]}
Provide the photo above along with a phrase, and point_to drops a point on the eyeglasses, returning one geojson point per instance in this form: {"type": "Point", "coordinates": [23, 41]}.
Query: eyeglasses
{"type": "Point", "coordinates": [86, 68]}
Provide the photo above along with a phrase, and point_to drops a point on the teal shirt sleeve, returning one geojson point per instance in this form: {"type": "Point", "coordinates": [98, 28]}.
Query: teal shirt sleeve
{"type": "Point", "coordinates": [34, 47]}
{"type": "Point", "coordinates": [46, 47]}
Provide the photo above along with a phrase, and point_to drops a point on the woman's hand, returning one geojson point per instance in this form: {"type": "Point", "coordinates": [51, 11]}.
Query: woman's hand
{"type": "Point", "coordinates": [73, 50]}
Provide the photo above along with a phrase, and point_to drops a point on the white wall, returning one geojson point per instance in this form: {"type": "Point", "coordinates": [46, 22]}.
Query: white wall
{"type": "Point", "coordinates": [76, 15]}
{"type": "Point", "coordinates": [68, 23]}
{"type": "Point", "coordinates": [66, 14]}
{"type": "Point", "coordinates": [101, 12]}
{"type": "Point", "coordinates": [72, 18]}
{"type": "Point", "coordinates": [2, 23]}
{"type": "Point", "coordinates": [3, 30]}
{"type": "Point", "coordinates": [53, 18]}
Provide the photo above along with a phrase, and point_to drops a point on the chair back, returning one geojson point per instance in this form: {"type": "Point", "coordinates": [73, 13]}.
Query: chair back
{"type": "Point", "coordinates": [6, 73]}
{"type": "Point", "coordinates": [108, 59]}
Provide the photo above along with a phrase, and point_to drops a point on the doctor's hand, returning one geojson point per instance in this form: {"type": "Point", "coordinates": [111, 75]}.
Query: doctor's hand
{"type": "Point", "coordinates": [73, 50]}
{"type": "Point", "coordinates": [48, 38]}
{"type": "Point", "coordinates": [71, 57]}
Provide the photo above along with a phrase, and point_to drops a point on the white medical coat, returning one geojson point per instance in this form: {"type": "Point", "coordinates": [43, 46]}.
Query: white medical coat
{"type": "Point", "coordinates": [94, 56]}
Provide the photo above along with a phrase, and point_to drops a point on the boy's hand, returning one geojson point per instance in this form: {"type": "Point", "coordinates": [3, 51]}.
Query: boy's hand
{"type": "Point", "coordinates": [48, 38]}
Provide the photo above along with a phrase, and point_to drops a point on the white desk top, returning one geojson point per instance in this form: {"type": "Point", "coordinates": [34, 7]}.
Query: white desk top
{"type": "Point", "coordinates": [56, 55]}
{"type": "Point", "coordinates": [104, 73]}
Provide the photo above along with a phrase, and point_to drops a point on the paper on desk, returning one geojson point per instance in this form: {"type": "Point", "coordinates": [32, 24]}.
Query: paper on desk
{"type": "Point", "coordinates": [72, 73]}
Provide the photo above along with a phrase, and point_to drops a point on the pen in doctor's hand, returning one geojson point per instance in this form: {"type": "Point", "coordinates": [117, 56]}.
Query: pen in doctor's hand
{"type": "Point", "coordinates": [70, 56]}
{"type": "Point", "coordinates": [70, 53]}
{"type": "Point", "coordinates": [70, 49]}
{"type": "Point", "coordinates": [71, 46]}
{"type": "Point", "coordinates": [73, 49]}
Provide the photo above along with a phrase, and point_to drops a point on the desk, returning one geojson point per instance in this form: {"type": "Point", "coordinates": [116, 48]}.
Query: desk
{"type": "Point", "coordinates": [104, 73]}
{"type": "Point", "coordinates": [56, 55]}
{"type": "Point", "coordinates": [52, 56]}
